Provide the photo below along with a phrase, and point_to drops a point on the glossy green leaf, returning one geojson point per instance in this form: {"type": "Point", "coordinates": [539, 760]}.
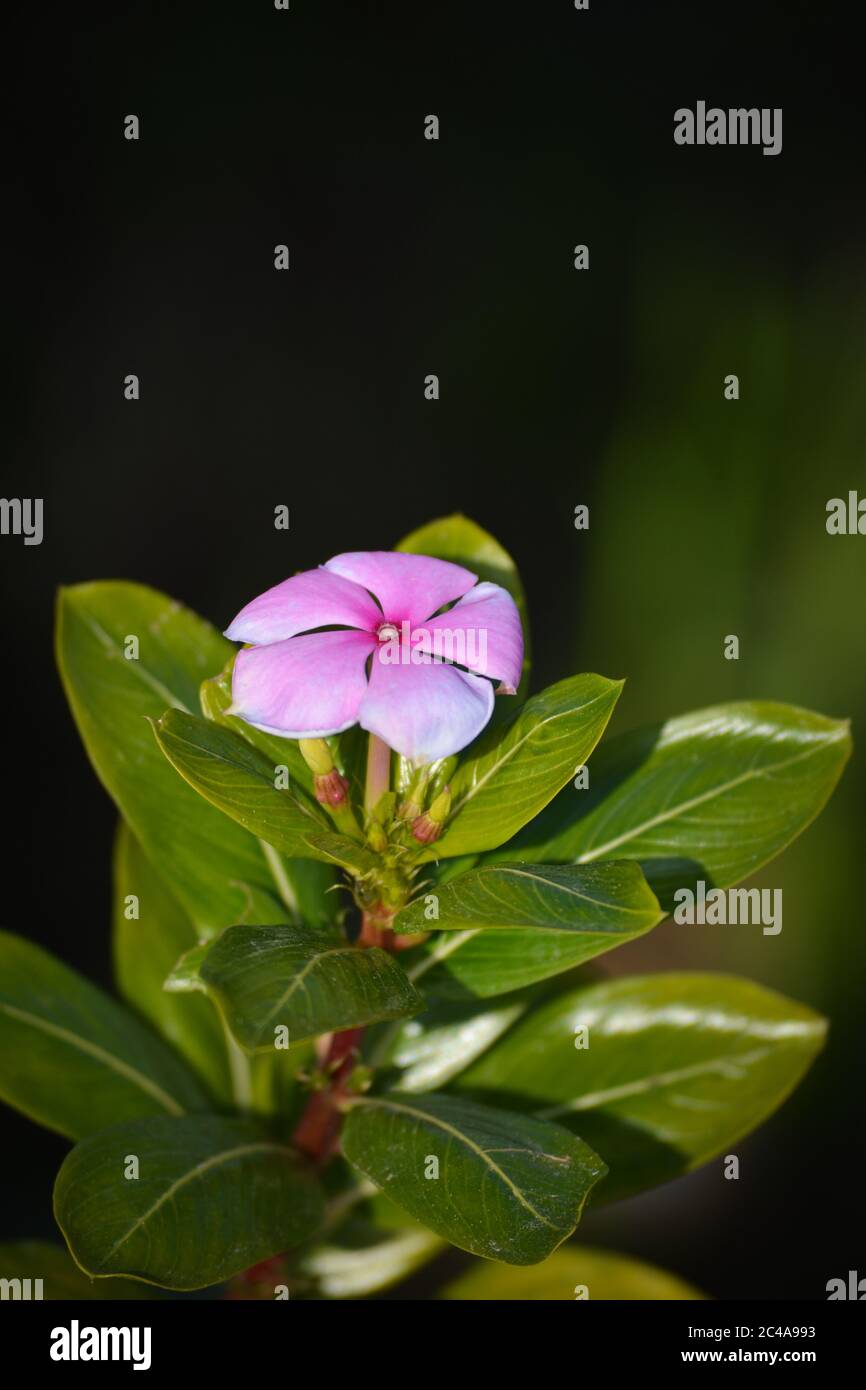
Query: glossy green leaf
{"type": "Point", "coordinates": [146, 952]}
{"type": "Point", "coordinates": [212, 1197]}
{"type": "Point", "coordinates": [376, 1247]}
{"type": "Point", "coordinates": [218, 873]}
{"type": "Point", "coordinates": [711, 795]}
{"type": "Point", "coordinates": [476, 964]}
{"type": "Point", "coordinates": [507, 1186]}
{"type": "Point", "coordinates": [439, 1043]}
{"type": "Point", "coordinates": [513, 771]}
{"type": "Point", "coordinates": [268, 978]}
{"type": "Point", "coordinates": [573, 914]}
{"type": "Point", "coordinates": [241, 781]}
{"type": "Point", "coordinates": [367, 1261]}
{"type": "Point", "coordinates": [678, 1067]}
{"type": "Point", "coordinates": [61, 1279]}
{"type": "Point", "coordinates": [605, 903]}
{"type": "Point", "coordinates": [150, 932]}
{"type": "Point", "coordinates": [574, 1272]}
{"type": "Point", "coordinates": [73, 1059]}
{"type": "Point", "coordinates": [577, 912]}
{"type": "Point", "coordinates": [463, 542]}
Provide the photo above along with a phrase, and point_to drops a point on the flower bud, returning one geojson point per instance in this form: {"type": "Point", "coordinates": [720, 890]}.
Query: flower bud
{"type": "Point", "coordinates": [428, 826]}
{"type": "Point", "coordinates": [330, 788]}
{"type": "Point", "coordinates": [441, 774]}
{"type": "Point", "coordinates": [317, 755]}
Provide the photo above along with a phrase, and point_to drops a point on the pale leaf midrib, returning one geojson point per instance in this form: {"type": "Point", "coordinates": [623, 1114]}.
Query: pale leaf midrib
{"type": "Point", "coordinates": [468, 1143]}
{"type": "Point", "coordinates": [298, 980]}
{"type": "Point", "coordinates": [226, 760]}
{"type": "Point", "coordinates": [136, 668]}
{"type": "Point", "coordinates": [478, 786]}
{"type": "Point", "coordinates": [144, 1083]}
{"type": "Point", "coordinates": [592, 1100]}
{"type": "Point", "coordinates": [441, 951]}
{"type": "Point", "coordinates": [562, 888]}
{"type": "Point", "coordinates": [225, 1156]}
{"type": "Point", "coordinates": [721, 790]}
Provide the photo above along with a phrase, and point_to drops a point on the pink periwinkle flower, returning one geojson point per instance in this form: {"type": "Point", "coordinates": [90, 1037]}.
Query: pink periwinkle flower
{"type": "Point", "coordinates": [307, 671]}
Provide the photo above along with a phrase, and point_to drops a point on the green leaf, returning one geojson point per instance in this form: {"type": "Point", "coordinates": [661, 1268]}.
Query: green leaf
{"type": "Point", "coordinates": [483, 964]}
{"type": "Point", "coordinates": [61, 1278]}
{"type": "Point", "coordinates": [212, 1197]}
{"type": "Point", "coordinates": [508, 1187]}
{"type": "Point", "coordinates": [376, 1247]}
{"type": "Point", "coordinates": [461, 541]}
{"type": "Point", "coordinates": [678, 1067]}
{"type": "Point", "coordinates": [240, 781]}
{"type": "Point", "coordinates": [218, 873]}
{"type": "Point", "coordinates": [442, 1041]}
{"type": "Point", "coordinates": [515, 770]}
{"type": "Point", "coordinates": [566, 1274]}
{"type": "Point", "coordinates": [366, 1261]}
{"type": "Point", "coordinates": [146, 947]}
{"type": "Point", "coordinates": [711, 795]}
{"type": "Point", "coordinates": [262, 978]}
{"type": "Point", "coordinates": [574, 914]}
{"type": "Point", "coordinates": [604, 903]}
{"type": "Point", "coordinates": [146, 952]}
{"type": "Point", "coordinates": [73, 1059]}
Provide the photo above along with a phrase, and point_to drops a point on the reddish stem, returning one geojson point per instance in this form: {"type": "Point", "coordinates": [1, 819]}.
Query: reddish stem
{"type": "Point", "coordinates": [318, 1129]}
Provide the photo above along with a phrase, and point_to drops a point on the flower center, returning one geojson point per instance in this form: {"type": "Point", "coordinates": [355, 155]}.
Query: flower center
{"type": "Point", "coordinates": [388, 632]}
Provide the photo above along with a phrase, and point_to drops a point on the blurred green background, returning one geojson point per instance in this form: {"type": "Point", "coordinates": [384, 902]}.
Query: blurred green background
{"type": "Point", "coordinates": [709, 520]}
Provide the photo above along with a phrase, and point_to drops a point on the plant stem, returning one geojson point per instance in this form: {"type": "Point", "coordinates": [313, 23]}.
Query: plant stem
{"type": "Point", "coordinates": [318, 1130]}
{"type": "Point", "coordinates": [344, 819]}
{"type": "Point", "coordinates": [374, 930]}
{"type": "Point", "coordinates": [378, 772]}
{"type": "Point", "coordinates": [240, 1070]}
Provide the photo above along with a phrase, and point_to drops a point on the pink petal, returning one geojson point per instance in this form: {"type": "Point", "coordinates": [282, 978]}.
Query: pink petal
{"type": "Point", "coordinates": [305, 687]}
{"type": "Point", "coordinates": [409, 587]}
{"type": "Point", "coordinates": [315, 598]}
{"type": "Point", "coordinates": [482, 632]}
{"type": "Point", "coordinates": [425, 712]}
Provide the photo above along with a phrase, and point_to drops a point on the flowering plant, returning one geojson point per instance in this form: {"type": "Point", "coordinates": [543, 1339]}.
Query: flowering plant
{"type": "Point", "coordinates": [358, 879]}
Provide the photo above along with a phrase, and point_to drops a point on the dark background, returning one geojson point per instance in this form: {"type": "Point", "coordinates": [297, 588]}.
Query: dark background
{"type": "Point", "coordinates": [306, 388]}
